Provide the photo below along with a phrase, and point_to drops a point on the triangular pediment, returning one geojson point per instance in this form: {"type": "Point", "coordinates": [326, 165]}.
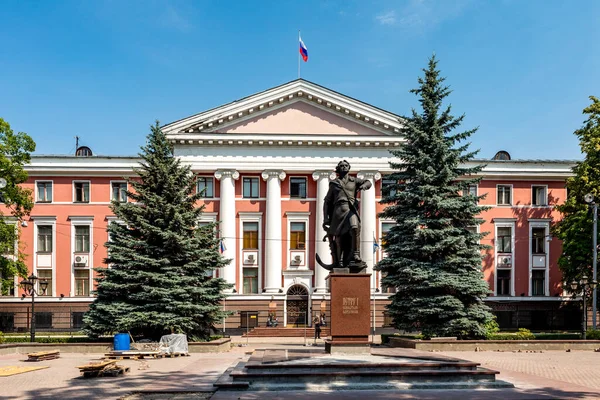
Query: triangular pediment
{"type": "Point", "coordinates": [296, 108]}
{"type": "Point", "coordinates": [299, 118]}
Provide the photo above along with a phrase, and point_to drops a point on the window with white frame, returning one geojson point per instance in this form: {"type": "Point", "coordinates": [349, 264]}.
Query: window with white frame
{"type": "Point", "coordinates": [297, 235]}
{"type": "Point", "coordinates": [385, 228]}
{"type": "Point", "coordinates": [44, 191]}
{"type": "Point", "coordinates": [82, 282]}
{"type": "Point", "coordinates": [470, 190]}
{"type": "Point", "coordinates": [44, 239]}
{"type": "Point", "coordinates": [250, 242]}
{"type": "Point", "coordinates": [387, 187]}
{"type": "Point", "coordinates": [539, 196]}
{"type": "Point", "coordinates": [538, 282]}
{"type": "Point", "coordinates": [250, 188]}
{"type": "Point", "coordinates": [119, 192]}
{"type": "Point", "coordinates": [45, 274]}
{"type": "Point", "coordinates": [82, 238]}
{"type": "Point", "coordinates": [504, 239]}
{"type": "Point", "coordinates": [504, 197]}
{"type": "Point", "coordinates": [250, 235]}
{"type": "Point", "coordinates": [538, 240]}
{"type": "Point", "coordinates": [7, 286]}
{"type": "Point", "coordinates": [10, 244]}
{"type": "Point", "coordinates": [82, 192]}
{"type": "Point", "coordinates": [205, 187]}
{"type": "Point", "coordinates": [503, 277]}
{"type": "Point", "coordinates": [297, 187]}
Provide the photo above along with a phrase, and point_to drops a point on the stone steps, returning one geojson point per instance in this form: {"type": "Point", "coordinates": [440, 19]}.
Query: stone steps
{"type": "Point", "coordinates": [280, 369]}
{"type": "Point", "coordinates": [286, 332]}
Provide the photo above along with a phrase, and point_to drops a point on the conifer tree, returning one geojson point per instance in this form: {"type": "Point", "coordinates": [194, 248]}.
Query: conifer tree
{"type": "Point", "coordinates": [433, 253]}
{"type": "Point", "coordinates": [161, 262]}
{"type": "Point", "coordinates": [575, 229]}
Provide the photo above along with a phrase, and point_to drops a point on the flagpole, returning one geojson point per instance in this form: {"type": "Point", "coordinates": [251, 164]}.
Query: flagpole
{"type": "Point", "coordinates": [298, 53]}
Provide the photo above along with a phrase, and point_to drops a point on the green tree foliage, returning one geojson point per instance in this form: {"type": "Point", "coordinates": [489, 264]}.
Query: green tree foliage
{"type": "Point", "coordinates": [15, 153]}
{"type": "Point", "coordinates": [575, 229]}
{"type": "Point", "coordinates": [161, 262]}
{"type": "Point", "coordinates": [433, 257]}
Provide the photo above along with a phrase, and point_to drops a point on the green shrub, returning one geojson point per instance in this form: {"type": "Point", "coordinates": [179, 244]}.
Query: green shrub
{"type": "Point", "coordinates": [522, 334]}
{"type": "Point", "coordinates": [1, 337]}
{"type": "Point", "coordinates": [557, 336]}
{"type": "Point", "coordinates": [593, 334]}
{"type": "Point", "coordinates": [491, 328]}
{"type": "Point", "coordinates": [525, 334]}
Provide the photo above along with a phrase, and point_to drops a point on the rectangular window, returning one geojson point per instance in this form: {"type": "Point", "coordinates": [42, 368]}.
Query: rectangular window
{"type": "Point", "coordinates": [298, 188]}
{"type": "Point", "coordinates": [77, 319]}
{"type": "Point", "coordinates": [504, 195]}
{"type": "Point", "coordinates": [119, 192]}
{"type": "Point", "coordinates": [82, 192]}
{"type": "Point", "coordinates": [250, 188]}
{"type": "Point", "coordinates": [298, 235]}
{"type": "Point", "coordinates": [385, 228]}
{"type": "Point", "coordinates": [44, 239]}
{"type": "Point", "coordinates": [44, 192]}
{"type": "Point", "coordinates": [250, 280]}
{"type": "Point", "coordinates": [504, 239]}
{"type": "Point", "coordinates": [250, 236]}
{"type": "Point", "coordinates": [470, 190]}
{"type": "Point", "coordinates": [82, 282]}
{"type": "Point", "coordinates": [538, 283]}
{"type": "Point", "coordinates": [387, 188]}
{"type": "Point", "coordinates": [538, 240]}
{"type": "Point", "coordinates": [7, 287]}
{"type": "Point", "coordinates": [82, 239]}
{"type": "Point", "coordinates": [204, 186]}
{"type": "Point", "coordinates": [9, 244]}
{"type": "Point", "coordinates": [539, 196]}
{"type": "Point", "coordinates": [7, 321]}
{"type": "Point", "coordinates": [43, 320]}
{"type": "Point", "coordinates": [47, 275]}
{"type": "Point", "coordinates": [387, 288]}
{"type": "Point", "coordinates": [503, 282]}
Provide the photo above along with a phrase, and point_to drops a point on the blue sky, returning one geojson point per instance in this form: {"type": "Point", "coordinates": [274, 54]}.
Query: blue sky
{"type": "Point", "coordinates": [521, 70]}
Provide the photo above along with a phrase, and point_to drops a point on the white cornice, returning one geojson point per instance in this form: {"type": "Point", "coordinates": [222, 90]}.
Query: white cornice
{"type": "Point", "coordinates": [284, 140]}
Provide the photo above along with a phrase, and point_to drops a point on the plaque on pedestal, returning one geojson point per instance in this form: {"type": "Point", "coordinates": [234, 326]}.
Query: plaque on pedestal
{"type": "Point", "coordinates": [350, 313]}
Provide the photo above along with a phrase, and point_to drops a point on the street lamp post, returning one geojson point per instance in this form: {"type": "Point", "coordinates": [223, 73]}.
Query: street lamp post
{"type": "Point", "coordinates": [28, 286]}
{"type": "Point", "coordinates": [584, 285]}
{"type": "Point", "coordinates": [589, 198]}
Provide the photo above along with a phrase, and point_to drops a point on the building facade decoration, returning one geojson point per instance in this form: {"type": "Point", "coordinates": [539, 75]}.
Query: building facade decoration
{"type": "Point", "coordinates": [264, 165]}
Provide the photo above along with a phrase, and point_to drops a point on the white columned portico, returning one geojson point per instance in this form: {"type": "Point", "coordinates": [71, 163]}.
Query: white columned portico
{"type": "Point", "coordinates": [227, 222]}
{"type": "Point", "coordinates": [368, 217]}
{"type": "Point", "coordinates": [273, 244]}
{"type": "Point", "coordinates": [321, 247]}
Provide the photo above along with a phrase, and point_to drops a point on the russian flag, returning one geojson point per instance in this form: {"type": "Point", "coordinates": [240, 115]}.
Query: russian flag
{"type": "Point", "coordinates": [222, 247]}
{"type": "Point", "coordinates": [303, 50]}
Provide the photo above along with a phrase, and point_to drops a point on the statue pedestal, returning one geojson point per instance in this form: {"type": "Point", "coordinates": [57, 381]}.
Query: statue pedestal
{"type": "Point", "coordinates": [350, 313]}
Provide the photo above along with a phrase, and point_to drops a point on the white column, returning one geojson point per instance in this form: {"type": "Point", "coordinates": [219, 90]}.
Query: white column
{"type": "Point", "coordinates": [368, 215]}
{"type": "Point", "coordinates": [322, 248]}
{"type": "Point", "coordinates": [273, 243]}
{"type": "Point", "coordinates": [227, 222]}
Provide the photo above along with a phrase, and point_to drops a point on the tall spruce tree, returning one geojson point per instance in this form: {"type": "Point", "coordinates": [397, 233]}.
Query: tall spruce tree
{"type": "Point", "coordinates": [433, 255]}
{"type": "Point", "coordinates": [575, 229]}
{"type": "Point", "coordinates": [161, 262]}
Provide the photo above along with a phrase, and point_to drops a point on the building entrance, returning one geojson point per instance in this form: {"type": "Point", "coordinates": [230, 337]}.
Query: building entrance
{"type": "Point", "coordinates": [297, 306]}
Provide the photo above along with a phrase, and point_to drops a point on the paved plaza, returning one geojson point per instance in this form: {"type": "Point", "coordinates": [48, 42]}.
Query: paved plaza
{"type": "Point", "coordinates": [547, 375]}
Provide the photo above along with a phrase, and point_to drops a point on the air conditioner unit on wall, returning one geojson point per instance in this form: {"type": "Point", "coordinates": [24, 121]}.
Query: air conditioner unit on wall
{"type": "Point", "coordinates": [505, 261]}
{"type": "Point", "coordinates": [81, 261]}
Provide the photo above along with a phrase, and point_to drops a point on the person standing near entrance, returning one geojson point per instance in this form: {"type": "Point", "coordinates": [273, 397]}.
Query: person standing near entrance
{"type": "Point", "coordinates": [317, 324]}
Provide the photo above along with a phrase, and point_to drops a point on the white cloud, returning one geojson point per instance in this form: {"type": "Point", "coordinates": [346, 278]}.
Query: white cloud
{"type": "Point", "coordinates": [387, 18]}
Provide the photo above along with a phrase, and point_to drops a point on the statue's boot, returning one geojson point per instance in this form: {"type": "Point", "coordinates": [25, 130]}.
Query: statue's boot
{"type": "Point", "coordinates": [356, 245]}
